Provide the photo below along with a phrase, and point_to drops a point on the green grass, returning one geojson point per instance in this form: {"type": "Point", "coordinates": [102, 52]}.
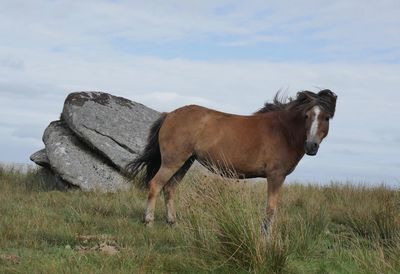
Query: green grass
{"type": "Point", "coordinates": [330, 229]}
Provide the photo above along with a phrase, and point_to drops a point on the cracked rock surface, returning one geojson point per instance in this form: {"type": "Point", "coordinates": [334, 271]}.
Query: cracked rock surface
{"type": "Point", "coordinates": [114, 126]}
{"type": "Point", "coordinates": [97, 136]}
{"type": "Point", "coordinates": [77, 164]}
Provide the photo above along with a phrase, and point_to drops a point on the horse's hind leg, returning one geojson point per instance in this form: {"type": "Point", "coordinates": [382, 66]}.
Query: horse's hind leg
{"type": "Point", "coordinates": [169, 190]}
{"type": "Point", "coordinates": [162, 177]}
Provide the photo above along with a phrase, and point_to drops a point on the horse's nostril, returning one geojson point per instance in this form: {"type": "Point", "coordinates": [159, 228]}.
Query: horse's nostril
{"type": "Point", "coordinates": [311, 147]}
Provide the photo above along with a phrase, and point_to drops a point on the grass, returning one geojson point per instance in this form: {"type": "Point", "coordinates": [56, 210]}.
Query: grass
{"type": "Point", "coordinates": [330, 229]}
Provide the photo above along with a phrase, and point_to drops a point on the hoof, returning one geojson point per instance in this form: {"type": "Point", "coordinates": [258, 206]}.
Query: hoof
{"type": "Point", "coordinates": [171, 223]}
{"type": "Point", "coordinates": [148, 223]}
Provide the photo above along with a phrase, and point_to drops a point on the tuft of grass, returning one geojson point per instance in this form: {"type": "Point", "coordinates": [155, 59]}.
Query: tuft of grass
{"type": "Point", "coordinates": [372, 214]}
{"type": "Point", "coordinates": [229, 228]}
{"type": "Point", "coordinates": [330, 229]}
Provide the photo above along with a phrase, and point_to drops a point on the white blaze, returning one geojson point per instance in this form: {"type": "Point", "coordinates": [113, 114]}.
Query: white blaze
{"type": "Point", "coordinates": [314, 124]}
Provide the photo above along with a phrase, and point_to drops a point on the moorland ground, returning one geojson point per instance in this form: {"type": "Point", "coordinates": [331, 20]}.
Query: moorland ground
{"type": "Point", "coordinates": [319, 229]}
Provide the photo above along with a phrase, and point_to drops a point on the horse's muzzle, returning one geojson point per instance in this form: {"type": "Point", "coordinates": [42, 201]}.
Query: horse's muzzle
{"type": "Point", "coordinates": [311, 148]}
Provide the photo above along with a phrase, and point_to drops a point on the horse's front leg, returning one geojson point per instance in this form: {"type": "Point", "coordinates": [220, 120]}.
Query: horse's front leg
{"type": "Point", "coordinates": [274, 185]}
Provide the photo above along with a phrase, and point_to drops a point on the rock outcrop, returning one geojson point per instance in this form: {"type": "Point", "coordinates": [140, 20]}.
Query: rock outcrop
{"type": "Point", "coordinates": [98, 134]}
{"type": "Point", "coordinates": [114, 126]}
{"type": "Point", "coordinates": [75, 163]}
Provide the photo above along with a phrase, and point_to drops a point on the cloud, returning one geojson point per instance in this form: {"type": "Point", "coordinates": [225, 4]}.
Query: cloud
{"type": "Point", "coordinates": [11, 63]}
{"type": "Point", "coordinates": [367, 95]}
{"type": "Point", "coordinates": [325, 31]}
{"type": "Point", "coordinates": [28, 131]}
{"type": "Point", "coordinates": [227, 55]}
{"type": "Point", "coordinates": [171, 100]}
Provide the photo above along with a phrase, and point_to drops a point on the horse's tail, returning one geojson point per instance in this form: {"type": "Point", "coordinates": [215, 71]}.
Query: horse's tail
{"type": "Point", "coordinates": [150, 158]}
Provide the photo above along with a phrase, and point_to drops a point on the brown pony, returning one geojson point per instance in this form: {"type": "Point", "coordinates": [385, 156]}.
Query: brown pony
{"type": "Point", "coordinates": [269, 144]}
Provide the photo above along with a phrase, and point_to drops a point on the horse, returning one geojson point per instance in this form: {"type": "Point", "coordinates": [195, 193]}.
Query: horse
{"type": "Point", "coordinates": [268, 144]}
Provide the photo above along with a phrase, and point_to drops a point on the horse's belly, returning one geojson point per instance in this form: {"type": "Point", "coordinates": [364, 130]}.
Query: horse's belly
{"type": "Point", "coordinates": [228, 168]}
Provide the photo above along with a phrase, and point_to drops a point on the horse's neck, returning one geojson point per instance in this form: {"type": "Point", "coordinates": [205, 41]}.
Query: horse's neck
{"type": "Point", "coordinates": [294, 130]}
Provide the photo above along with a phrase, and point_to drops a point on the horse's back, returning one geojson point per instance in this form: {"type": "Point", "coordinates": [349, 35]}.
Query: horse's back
{"type": "Point", "coordinates": [197, 121]}
{"type": "Point", "coordinates": [186, 124]}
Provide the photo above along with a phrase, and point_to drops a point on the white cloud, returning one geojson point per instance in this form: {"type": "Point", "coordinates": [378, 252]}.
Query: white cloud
{"type": "Point", "coordinates": [87, 27]}
{"type": "Point", "coordinates": [51, 48]}
{"type": "Point", "coordinates": [170, 100]}
{"type": "Point", "coordinates": [11, 62]}
{"type": "Point", "coordinates": [367, 93]}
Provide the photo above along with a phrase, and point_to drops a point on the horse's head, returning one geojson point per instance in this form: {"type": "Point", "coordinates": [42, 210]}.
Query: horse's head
{"type": "Point", "coordinates": [317, 120]}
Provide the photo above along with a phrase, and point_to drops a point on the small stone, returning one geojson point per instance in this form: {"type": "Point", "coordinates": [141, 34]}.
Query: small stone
{"type": "Point", "coordinates": [40, 158]}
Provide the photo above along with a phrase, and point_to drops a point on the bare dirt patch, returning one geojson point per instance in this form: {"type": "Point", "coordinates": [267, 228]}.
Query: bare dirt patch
{"type": "Point", "coordinates": [97, 243]}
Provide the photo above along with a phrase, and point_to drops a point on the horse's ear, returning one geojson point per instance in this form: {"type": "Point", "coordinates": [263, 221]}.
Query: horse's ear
{"type": "Point", "coordinates": [329, 97]}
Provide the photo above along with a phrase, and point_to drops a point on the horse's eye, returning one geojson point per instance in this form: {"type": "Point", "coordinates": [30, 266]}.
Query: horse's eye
{"type": "Point", "coordinates": [306, 116]}
{"type": "Point", "coordinates": [326, 118]}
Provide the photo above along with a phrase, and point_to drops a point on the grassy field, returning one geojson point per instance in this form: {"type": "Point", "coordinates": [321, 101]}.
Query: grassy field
{"type": "Point", "coordinates": [330, 229]}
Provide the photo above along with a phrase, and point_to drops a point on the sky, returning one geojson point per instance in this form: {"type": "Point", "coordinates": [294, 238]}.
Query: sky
{"type": "Point", "coordinates": [228, 55]}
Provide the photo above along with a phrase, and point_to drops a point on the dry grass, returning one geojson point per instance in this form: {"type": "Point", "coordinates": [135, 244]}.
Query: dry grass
{"type": "Point", "coordinates": [331, 229]}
